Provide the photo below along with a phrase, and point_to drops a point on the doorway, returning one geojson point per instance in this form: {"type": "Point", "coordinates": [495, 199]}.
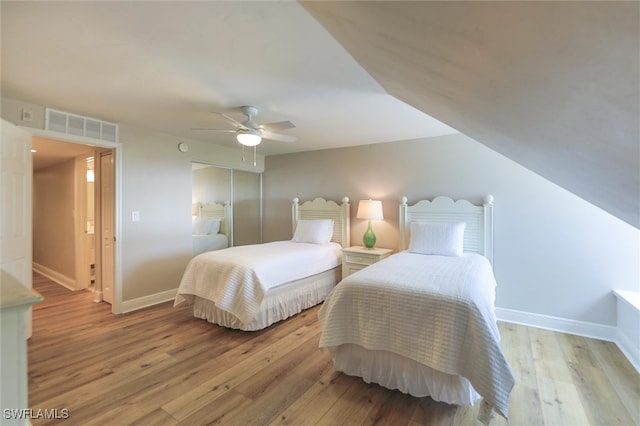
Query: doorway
{"type": "Point", "coordinates": [69, 248]}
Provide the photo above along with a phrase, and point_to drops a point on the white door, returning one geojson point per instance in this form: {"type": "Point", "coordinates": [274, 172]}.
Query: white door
{"type": "Point", "coordinates": [15, 230]}
{"type": "Point", "coordinates": [107, 265]}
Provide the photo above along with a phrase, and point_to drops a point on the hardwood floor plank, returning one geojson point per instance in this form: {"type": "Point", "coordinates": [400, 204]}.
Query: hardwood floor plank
{"type": "Point", "coordinates": [362, 404]}
{"type": "Point", "coordinates": [221, 410]}
{"type": "Point", "coordinates": [328, 387]}
{"type": "Point", "coordinates": [430, 412]}
{"type": "Point", "coordinates": [160, 366]}
{"type": "Point", "coordinates": [247, 367]}
{"type": "Point", "coordinates": [279, 368]}
{"type": "Point", "coordinates": [514, 338]}
{"type": "Point", "coordinates": [561, 404]}
{"type": "Point", "coordinates": [548, 357]}
{"type": "Point", "coordinates": [274, 400]}
{"type": "Point", "coordinates": [621, 374]}
{"type": "Point", "coordinates": [525, 406]}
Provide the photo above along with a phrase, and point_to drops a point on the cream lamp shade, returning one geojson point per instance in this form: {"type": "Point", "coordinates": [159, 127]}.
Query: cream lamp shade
{"type": "Point", "coordinates": [371, 210]}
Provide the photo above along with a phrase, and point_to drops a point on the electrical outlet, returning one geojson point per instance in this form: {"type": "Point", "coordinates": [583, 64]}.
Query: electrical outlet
{"type": "Point", "coordinates": [135, 216]}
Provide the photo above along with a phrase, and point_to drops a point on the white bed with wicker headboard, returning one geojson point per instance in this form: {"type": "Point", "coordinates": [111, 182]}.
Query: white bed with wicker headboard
{"type": "Point", "coordinates": [211, 227]}
{"type": "Point", "coordinates": [423, 320]}
{"type": "Point", "coordinates": [251, 287]}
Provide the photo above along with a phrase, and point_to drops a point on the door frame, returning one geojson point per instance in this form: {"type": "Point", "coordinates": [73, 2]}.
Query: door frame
{"type": "Point", "coordinates": [116, 307]}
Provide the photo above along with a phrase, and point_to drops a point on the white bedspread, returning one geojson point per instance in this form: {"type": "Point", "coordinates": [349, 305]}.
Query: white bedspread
{"type": "Point", "coordinates": [237, 278]}
{"type": "Point", "coordinates": [436, 310]}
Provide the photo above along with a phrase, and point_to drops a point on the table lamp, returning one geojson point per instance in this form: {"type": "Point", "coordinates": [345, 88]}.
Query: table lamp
{"type": "Point", "coordinates": [371, 210]}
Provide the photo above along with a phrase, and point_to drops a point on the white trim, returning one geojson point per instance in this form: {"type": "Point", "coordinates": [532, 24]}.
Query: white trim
{"type": "Point", "coordinates": [627, 348]}
{"type": "Point", "coordinates": [117, 308]}
{"type": "Point", "coordinates": [117, 149]}
{"type": "Point", "coordinates": [57, 277]}
{"type": "Point", "coordinates": [562, 325]}
{"type": "Point", "coordinates": [150, 300]}
{"type": "Point", "coordinates": [50, 134]}
{"type": "Point", "coordinates": [628, 317]}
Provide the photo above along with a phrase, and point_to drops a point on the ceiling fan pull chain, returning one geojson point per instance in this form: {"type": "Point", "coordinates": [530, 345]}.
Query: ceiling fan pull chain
{"type": "Point", "coordinates": [254, 156]}
{"type": "Point", "coordinates": [243, 153]}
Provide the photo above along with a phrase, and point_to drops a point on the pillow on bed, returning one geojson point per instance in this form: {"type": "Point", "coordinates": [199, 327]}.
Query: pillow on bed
{"type": "Point", "coordinates": [316, 231]}
{"type": "Point", "coordinates": [205, 226]}
{"type": "Point", "coordinates": [215, 226]}
{"type": "Point", "coordinates": [444, 239]}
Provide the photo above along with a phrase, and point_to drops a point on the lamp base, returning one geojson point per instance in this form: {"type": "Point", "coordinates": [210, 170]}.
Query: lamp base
{"type": "Point", "coordinates": [369, 238]}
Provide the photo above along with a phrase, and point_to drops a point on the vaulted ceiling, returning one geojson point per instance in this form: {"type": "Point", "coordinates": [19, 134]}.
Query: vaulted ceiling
{"type": "Point", "coordinates": [552, 85]}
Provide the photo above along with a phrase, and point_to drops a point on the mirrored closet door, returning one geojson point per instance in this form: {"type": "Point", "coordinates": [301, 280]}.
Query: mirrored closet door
{"type": "Point", "coordinates": [241, 194]}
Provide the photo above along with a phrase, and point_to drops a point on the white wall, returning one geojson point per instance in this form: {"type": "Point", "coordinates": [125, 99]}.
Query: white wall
{"type": "Point", "coordinates": [555, 254]}
{"type": "Point", "coordinates": [157, 182]}
{"type": "Point", "coordinates": [54, 221]}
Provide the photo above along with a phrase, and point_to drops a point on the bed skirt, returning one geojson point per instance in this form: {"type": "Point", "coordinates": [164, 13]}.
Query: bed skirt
{"type": "Point", "coordinates": [278, 304]}
{"type": "Point", "coordinates": [393, 371]}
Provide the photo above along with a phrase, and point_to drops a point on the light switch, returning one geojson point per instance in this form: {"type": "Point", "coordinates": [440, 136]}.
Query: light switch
{"type": "Point", "coordinates": [135, 216]}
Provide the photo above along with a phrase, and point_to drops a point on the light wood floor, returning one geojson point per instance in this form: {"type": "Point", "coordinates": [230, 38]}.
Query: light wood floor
{"type": "Point", "coordinates": [159, 366]}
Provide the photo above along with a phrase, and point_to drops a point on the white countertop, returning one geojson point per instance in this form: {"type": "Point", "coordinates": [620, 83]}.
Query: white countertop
{"type": "Point", "coordinates": [13, 294]}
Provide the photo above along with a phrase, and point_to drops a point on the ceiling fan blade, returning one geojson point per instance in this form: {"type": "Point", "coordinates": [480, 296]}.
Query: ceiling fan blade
{"type": "Point", "coordinates": [276, 127]}
{"type": "Point", "coordinates": [278, 137]}
{"type": "Point", "coordinates": [231, 120]}
{"type": "Point", "coordinates": [214, 130]}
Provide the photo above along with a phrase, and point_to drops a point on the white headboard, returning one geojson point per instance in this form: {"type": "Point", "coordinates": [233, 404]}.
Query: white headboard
{"type": "Point", "coordinates": [478, 234]}
{"type": "Point", "coordinates": [218, 211]}
{"type": "Point", "coordinates": [323, 209]}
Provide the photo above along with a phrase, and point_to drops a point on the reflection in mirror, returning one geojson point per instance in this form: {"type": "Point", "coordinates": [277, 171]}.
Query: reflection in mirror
{"type": "Point", "coordinates": [212, 187]}
{"type": "Point", "coordinates": [247, 208]}
{"type": "Point", "coordinates": [210, 183]}
{"type": "Point", "coordinates": [210, 208]}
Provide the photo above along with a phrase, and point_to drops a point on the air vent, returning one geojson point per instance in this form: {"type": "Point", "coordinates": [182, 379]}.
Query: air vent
{"type": "Point", "coordinates": [64, 122]}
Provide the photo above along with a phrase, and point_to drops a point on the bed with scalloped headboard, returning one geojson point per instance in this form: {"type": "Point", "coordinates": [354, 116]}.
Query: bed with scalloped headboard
{"type": "Point", "coordinates": [423, 320]}
{"type": "Point", "coordinates": [251, 287]}
{"type": "Point", "coordinates": [212, 227]}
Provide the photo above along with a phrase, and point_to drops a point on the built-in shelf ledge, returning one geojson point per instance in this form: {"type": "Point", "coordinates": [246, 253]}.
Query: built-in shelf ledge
{"type": "Point", "coordinates": [628, 325]}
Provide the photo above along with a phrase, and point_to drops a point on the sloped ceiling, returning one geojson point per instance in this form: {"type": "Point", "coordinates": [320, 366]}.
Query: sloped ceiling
{"type": "Point", "coordinates": [552, 85]}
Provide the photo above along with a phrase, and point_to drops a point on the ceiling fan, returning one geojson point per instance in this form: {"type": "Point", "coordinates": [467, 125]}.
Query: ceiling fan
{"type": "Point", "coordinates": [250, 133]}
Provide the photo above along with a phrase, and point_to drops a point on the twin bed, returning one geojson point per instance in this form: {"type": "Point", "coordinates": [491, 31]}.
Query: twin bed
{"type": "Point", "coordinates": [421, 321]}
{"type": "Point", "coordinates": [251, 287]}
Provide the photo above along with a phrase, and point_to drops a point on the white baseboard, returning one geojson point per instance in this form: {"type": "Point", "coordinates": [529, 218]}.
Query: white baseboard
{"type": "Point", "coordinates": [628, 349]}
{"type": "Point", "coordinates": [562, 325]}
{"type": "Point", "coordinates": [55, 276]}
{"type": "Point", "coordinates": [578, 328]}
{"type": "Point", "coordinates": [146, 301]}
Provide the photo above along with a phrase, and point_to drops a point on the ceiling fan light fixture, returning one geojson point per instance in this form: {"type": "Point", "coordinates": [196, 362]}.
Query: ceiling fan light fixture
{"type": "Point", "coordinates": [248, 137]}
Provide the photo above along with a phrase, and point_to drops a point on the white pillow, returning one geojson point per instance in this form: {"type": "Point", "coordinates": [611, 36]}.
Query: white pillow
{"type": "Point", "coordinates": [215, 226]}
{"type": "Point", "coordinates": [205, 226]}
{"type": "Point", "coordinates": [316, 231]}
{"type": "Point", "coordinates": [444, 239]}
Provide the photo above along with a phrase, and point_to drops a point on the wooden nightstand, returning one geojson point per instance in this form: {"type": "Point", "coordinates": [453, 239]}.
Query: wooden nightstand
{"type": "Point", "coordinates": [356, 258]}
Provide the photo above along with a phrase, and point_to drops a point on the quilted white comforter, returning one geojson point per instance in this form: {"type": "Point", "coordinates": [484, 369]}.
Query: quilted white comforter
{"type": "Point", "coordinates": [436, 310]}
{"type": "Point", "coordinates": [237, 278]}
